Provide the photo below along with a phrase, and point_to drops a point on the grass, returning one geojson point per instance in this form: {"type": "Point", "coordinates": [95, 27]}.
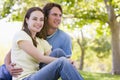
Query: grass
{"type": "Point", "coordinates": [99, 76]}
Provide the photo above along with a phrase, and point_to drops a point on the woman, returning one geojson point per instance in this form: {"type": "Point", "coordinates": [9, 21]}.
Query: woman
{"type": "Point", "coordinates": [29, 49]}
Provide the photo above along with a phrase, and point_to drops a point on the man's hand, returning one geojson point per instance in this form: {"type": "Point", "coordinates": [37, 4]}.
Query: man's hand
{"type": "Point", "coordinates": [15, 72]}
{"type": "Point", "coordinates": [72, 62]}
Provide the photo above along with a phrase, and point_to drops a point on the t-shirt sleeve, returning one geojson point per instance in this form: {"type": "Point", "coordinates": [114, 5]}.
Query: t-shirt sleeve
{"type": "Point", "coordinates": [21, 35]}
{"type": "Point", "coordinates": [67, 46]}
{"type": "Point", "coordinates": [47, 46]}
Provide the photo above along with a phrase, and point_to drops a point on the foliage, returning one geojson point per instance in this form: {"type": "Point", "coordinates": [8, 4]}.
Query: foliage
{"type": "Point", "coordinates": [15, 9]}
{"type": "Point", "coordinates": [81, 11]}
{"type": "Point", "coordinates": [101, 43]}
{"type": "Point", "coordinates": [6, 8]}
{"type": "Point", "coordinates": [85, 12]}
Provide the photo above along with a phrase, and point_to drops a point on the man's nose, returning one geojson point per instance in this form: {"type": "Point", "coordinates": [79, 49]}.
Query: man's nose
{"type": "Point", "coordinates": [58, 17]}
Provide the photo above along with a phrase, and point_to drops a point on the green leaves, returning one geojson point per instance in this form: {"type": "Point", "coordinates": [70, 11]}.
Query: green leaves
{"type": "Point", "coordinates": [6, 8]}
{"type": "Point", "coordinates": [17, 8]}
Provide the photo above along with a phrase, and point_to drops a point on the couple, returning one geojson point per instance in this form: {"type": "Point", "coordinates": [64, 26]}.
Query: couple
{"type": "Point", "coordinates": [29, 48]}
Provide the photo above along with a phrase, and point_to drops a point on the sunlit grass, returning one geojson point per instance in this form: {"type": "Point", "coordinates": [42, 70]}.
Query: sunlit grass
{"type": "Point", "coordinates": [99, 76]}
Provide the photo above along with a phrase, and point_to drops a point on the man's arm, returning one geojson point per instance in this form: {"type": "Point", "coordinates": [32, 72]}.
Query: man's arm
{"type": "Point", "coordinates": [7, 60]}
{"type": "Point", "coordinates": [67, 46]}
{"type": "Point", "coordinates": [10, 66]}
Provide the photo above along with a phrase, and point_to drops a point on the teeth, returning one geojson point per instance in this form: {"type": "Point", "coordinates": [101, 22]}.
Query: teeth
{"type": "Point", "coordinates": [37, 27]}
{"type": "Point", "coordinates": [57, 22]}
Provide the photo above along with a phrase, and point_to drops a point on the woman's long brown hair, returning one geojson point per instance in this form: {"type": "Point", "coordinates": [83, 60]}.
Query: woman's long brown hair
{"type": "Point", "coordinates": [41, 34]}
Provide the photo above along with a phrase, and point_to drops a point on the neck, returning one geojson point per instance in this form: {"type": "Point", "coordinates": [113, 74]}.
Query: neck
{"type": "Point", "coordinates": [51, 31]}
{"type": "Point", "coordinates": [33, 35]}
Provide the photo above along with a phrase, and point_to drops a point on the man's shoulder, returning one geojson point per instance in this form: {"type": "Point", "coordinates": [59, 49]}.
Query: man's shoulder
{"type": "Point", "coordinates": [61, 32]}
{"type": "Point", "coordinates": [63, 35]}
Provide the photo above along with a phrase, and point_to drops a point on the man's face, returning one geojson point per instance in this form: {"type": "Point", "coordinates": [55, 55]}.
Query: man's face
{"type": "Point", "coordinates": [54, 18]}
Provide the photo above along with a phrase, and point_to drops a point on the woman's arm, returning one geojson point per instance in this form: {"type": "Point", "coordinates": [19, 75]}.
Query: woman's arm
{"type": "Point", "coordinates": [29, 48]}
{"type": "Point", "coordinates": [48, 53]}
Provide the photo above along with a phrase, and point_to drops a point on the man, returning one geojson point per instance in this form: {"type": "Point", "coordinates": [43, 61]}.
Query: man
{"type": "Point", "coordinates": [56, 37]}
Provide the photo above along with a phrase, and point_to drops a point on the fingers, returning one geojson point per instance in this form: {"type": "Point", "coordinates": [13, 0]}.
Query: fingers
{"type": "Point", "coordinates": [14, 71]}
{"type": "Point", "coordinates": [72, 62]}
{"type": "Point", "coordinates": [13, 64]}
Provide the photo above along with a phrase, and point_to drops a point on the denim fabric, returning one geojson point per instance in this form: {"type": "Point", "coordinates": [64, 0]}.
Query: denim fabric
{"type": "Point", "coordinates": [60, 67]}
{"type": "Point", "coordinates": [4, 74]}
{"type": "Point", "coordinates": [55, 53]}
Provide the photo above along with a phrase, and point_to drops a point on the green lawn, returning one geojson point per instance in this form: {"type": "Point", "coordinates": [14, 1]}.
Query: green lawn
{"type": "Point", "coordinates": [99, 76]}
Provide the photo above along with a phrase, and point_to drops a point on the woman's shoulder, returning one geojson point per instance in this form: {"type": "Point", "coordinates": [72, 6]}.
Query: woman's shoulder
{"type": "Point", "coordinates": [21, 33]}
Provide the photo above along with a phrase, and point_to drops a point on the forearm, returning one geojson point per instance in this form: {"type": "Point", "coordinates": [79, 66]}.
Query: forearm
{"type": "Point", "coordinates": [30, 49]}
{"type": "Point", "coordinates": [7, 59]}
{"type": "Point", "coordinates": [47, 59]}
{"type": "Point", "coordinates": [48, 53]}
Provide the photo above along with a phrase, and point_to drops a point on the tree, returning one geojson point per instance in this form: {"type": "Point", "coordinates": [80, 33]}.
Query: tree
{"type": "Point", "coordinates": [15, 9]}
{"type": "Point", "coordinates": [86, 13]}
{"type": "Point", "coordinates": [115, 33]}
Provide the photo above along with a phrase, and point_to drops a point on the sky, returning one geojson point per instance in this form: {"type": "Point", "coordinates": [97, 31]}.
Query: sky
{"type": "Point", "coordinates": [7, 31]}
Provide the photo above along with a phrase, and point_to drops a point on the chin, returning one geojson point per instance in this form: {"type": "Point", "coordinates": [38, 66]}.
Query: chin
{"type": "Point", "coordinates": [56, 27]}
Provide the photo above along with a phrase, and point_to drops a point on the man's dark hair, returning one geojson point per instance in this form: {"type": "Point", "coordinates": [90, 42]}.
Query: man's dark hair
{"type": "Point", "coordinates": [49, 6]}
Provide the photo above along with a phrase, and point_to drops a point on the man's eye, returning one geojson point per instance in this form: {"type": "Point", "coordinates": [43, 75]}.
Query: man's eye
{"type": "Point", "coordinates": [54, 14]}
{"type": "Point", "coordinates": [60, 15]}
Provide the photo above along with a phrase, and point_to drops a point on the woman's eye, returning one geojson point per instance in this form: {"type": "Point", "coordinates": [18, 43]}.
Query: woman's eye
{"type": "Point", "coordinates": [34, 19]}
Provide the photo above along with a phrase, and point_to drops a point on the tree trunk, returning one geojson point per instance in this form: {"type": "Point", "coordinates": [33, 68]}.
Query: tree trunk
{"type": "Point", "coordinates": [115, 49]}
{"type": "Point", "coordinates": [82, 55]}
{"type": "Point", "coordinates": [82, 51]}
{"type": "Point", "coordinates": [82, 60]}
{"type": "Point", "coordinates": [115, 35]}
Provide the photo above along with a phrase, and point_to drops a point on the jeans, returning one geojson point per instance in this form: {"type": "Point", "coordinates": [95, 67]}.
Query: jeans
{"type": "Point", "coordinates": [58, 68]}
{"type": "Point", "coordinates": [55, 53]}
{"type": "Point", "coordinates": [52, 71]}
{"type": "Point", "coordinates": [4, 74]}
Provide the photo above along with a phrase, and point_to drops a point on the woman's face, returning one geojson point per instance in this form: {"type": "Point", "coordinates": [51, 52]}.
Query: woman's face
{"type": "Point", "coordinates": [35, 21]}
